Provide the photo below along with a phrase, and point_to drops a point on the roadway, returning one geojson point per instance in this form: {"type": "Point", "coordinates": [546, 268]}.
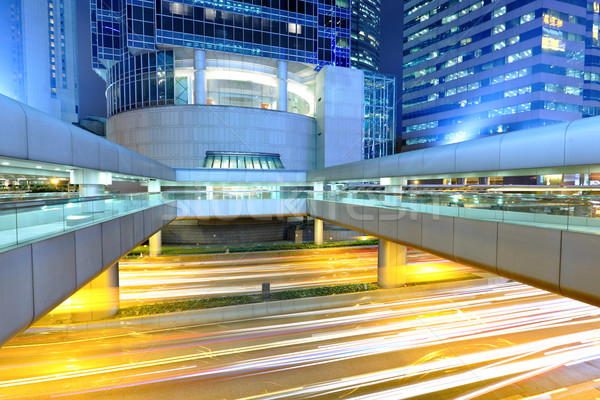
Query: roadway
{"type": "Point", "coordinates": [144, 280]}
{"type": "Point", "coordinates": [506, 341]}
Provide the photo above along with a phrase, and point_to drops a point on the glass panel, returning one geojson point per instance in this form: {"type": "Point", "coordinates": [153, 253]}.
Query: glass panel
{"type": "Point", "coordinates": [75, 215]}
{"type": "Point", "coordinates": [225, 162]}
{"type": "Point", "coordinates": [8, 227]}
{"type": "Point", "coordinates": [36, 222]}
{"type": "Point", "coordinates": [263, 163]}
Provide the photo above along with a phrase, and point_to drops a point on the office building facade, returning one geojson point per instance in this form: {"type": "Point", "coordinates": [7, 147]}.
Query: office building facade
{"type": "Point", "coordinates": [379, 131]}
{"type": "Point", "coordinates": [475, 68]}
{"type": "Point", "coordinates": [135, 42]}
{"type": "Point", "coordinates": [38, 59]}
{"type": "Point", "coordinates": [366, 34]}
{"type": "Point", "coordinates": [200, 76]}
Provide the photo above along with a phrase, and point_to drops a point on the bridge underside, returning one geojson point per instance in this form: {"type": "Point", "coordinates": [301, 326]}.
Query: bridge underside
{"type": "Point", "coordinates": [559, 261]}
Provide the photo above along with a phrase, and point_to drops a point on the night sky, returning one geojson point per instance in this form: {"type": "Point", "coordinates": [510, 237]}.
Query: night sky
{"type": "Point", "coordinates": [91, 86]}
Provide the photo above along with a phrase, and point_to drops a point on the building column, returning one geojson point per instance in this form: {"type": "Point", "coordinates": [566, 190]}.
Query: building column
{"type": "Point", "coordinates": [318, 190]}
{"type": "Point", "coordinates": [98, 299]}
{"type": "Point", "coordinates": [318, 231]}
{"type": "Point", "coordinates": [393, 190]}
{"type": "Point", "coordinates": [391, 264]}
{"type": "Point", "coordinates": [91, 183]}
{"type": "Point", "coordinates": [155, 244]}
{"type": "Point", "coordinates": [394, 184]}
{"type": "Point", "coordinates": [282, 75]}
{"type": "Point", "coordinates": [199, 77]}
{"type": "Point", "coordinates": [155, 241]}
{"type": "Point", "coordinates": [153, 186]}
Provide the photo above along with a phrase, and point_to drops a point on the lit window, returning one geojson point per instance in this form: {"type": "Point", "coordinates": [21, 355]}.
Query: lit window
{"type": "Point", "coordinates": [210, 14]}
{"type": "Point", "coordinates": [496, 79]}
{"type": "Point", "coordinates": [499, 45]}
{"type": "Point", "coordinates": [524, 107]}
{"type": "Point", "coordinates": [498, 29]}
{"type": "Point", "coordinates": [295, 28]}
{"type": "Point", "coordinates": [449, 18]}
{"type": "Point", "coordinates": [500, 11]}
{"type": "Point", "coordinates": [527, 17]}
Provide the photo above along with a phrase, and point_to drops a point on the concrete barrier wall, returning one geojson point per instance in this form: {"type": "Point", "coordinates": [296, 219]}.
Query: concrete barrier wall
{"type": "Point", "coordinates": [37, 277]}
{"type": "Point", "coordinates": [559, 261]}
{"type": "Point", "coordinates": [244, 208]}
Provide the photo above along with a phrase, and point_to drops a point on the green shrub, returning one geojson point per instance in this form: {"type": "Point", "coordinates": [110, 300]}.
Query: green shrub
{"type": "Point", "coordinates": [178, 250]}
{"type": "Point", "coordinates": [214, 302]}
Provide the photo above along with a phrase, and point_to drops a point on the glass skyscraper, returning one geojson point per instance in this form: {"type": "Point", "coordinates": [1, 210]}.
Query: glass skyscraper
{"type": "Point", "coordinates": [366, 34]}
{"type": "Point", "coordinates": [379, 131]}
{"type": "Point", "coordinates": [480, 67]}
{"type": "Point", "coordinates": [38, 58]}
{"type": "Point", "coordinates": [142, 47]}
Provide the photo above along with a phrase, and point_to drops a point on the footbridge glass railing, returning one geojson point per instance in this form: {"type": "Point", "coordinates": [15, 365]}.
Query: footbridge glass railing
{"type": "Point", "coordinates": [568, 212]}
{"type": "Point", "coordinates": [28, 220]}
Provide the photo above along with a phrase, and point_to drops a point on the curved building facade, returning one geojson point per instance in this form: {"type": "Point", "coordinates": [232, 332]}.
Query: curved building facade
{"type": "Point", "coordinates": [187, 77]}
{"type": "Point", "coordinates": [172, 77]}
{"type": "Point", "coordinates": [366, 34]}
{"type": "Point", "coordinates": [180, 136]}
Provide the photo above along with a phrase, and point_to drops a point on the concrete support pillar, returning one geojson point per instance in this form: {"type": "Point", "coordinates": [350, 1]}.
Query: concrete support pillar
{"type": "Point", "coordinates": [394, 184]}
{"type": "Point", "coordinates": [318, 190]}
{"type": "Point", "coordinates": [98, 299]}
{"type": "Point", "coordinates": [282, 75]}
{"type": "Point", "coordinates": [155, 244]}
{"type": "Point", "coordinates": [155, 241]}
{"type": "Point", "coordinates": [391, 264]}
{"type": "Point", "coordinates": [393, 187]}
{"type": "Point", "coordinates": [318, 231]}
{"type": "Point", "coordinates": [87, 190]}
{"type": "Point", "coordinates": [199, 77]}
{"type": "Point", "coordinates": [91, 183]}
{"type": "Point", "coordinates": [153, 186]}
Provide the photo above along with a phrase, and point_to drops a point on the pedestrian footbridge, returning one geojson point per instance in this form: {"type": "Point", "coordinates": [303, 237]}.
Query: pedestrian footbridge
{"type": "Point", "coordinates": [52, 246]}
